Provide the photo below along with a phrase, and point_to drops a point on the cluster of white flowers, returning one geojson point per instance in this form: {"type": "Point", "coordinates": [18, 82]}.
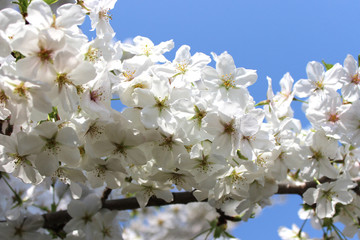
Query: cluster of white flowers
{"type": "Point", "coordinates": [186, 125]}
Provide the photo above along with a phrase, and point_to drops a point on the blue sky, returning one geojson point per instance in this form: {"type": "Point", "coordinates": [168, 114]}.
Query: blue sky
{"type": "Point", "coordinates": [271, 36]}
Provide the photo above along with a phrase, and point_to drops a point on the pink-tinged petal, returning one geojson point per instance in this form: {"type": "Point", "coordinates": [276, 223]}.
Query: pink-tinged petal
{"type": "Point", "coordinates": [67, 136]}
{"type": "Point", "coordinates": [39, 14]}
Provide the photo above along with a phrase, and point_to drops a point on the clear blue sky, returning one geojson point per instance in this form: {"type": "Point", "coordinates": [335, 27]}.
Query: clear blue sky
{"type": "Point", "coordinates": [271, 36]}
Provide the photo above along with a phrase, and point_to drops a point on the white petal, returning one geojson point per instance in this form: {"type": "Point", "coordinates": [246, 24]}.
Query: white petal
{"type": "Point", "coordinates": [39, 14]}
{"type": "Point", "coordinates": [67, 136]}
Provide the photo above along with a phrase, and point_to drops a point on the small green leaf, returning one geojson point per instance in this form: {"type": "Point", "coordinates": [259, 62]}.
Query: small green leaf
{"type": "Point", "coordinates": [241, 156]}
{"type": "Point", "coordinates": [50, 1]}
{"type": "Point", "coordinates": [17, 55]}
{"type": "Point", "coordinates": [262, 103]}
{"type": "Point", "coordinates": [228, 235]}
{"type": "Point", "coordinates": [359, 60]}
{"type": "Point", "coordinates": [213, 223]}
{"type": "Point", "coordinates": [217, 232]}
{"type": "Point", "coordinates": [53, 207]}
{"type": "Point", "coordinates": [327, 65]}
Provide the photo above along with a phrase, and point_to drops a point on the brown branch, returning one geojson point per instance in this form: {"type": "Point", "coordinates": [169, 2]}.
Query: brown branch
{"type": "Point", "coordinates": [56, 221]}
{"type": "Point", "coordinates": [105, 195]}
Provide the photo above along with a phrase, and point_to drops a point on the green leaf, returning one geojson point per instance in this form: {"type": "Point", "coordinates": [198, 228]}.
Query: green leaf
{"type": "Point", "coordinates": [262, 103]}
{"type": "Point", "coordinates": [359, 60]}
{"type": "Point", "coordinates": [217, 232]}
{"type": "Point", "coordinates": [228, 235]}
{"type": "Point", "coordinates": [241, 156]}
{"type": "Point", "coordinates": [327, 65]}
{"type": "Point", "coordinates": [50, 1]}
{"type": "Point", "coordinates": [23, 5]}
{"type": "Point", "coordinates": [53, 207]}
{"type": "Point", "coordinates": [213, 223]}
{"type": "Point", "coordinates": [17, 55]}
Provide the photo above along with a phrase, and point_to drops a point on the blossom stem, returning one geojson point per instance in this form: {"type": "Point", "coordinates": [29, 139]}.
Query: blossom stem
{"type": "Point", "coordinates": [17, 197]}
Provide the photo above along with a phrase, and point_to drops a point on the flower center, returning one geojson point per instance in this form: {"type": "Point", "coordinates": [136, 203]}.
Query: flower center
{"type": "Point", "coordinates": [161, 104]}
{"type": "Point", "coordinates": [94, 130]}
{"type": "Point", "coordinates": [62, 80]}
{"type": "Point", "coordinates": [333, 118]}
{"type": "Point", "coordinates": [95, 96]}
{"type": "Point", "coordinates": [92, 54]}
{"type": "Point", "coordinates": [45, 54]}
{"type": "Point", "coordinates": [3, 97]}
{"type": "Point", "coordinates": [227, 81]}
{"type": "Point", "coordinates": [319, 85]}
{"type": "Point", "coordinates": [229, 127]}
{"type": "Point", "coordinates": [182, 67]}
{"type": "Point", "coordinates": [104, 14]}
{"type": "Point", "coordinates": [199, 115]}
{"type": "Point", "coordinates": [21, 90]}
{"type": "Point", "coordinates": [129, 75]}
{"type": "Point", "coordinates": [147, 50]}
{"type": "Point", "coordinates": [355, 79]}
{"type": "Point", "coordinates": [167, 142]}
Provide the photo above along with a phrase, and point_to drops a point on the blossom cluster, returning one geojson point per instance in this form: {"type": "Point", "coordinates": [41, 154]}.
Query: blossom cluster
{"type": "Point", "coordinates": [186, 125]}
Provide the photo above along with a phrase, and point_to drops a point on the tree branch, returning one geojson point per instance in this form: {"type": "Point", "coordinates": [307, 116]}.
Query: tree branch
{"type": "Point", "coordinates": [56, 221]}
